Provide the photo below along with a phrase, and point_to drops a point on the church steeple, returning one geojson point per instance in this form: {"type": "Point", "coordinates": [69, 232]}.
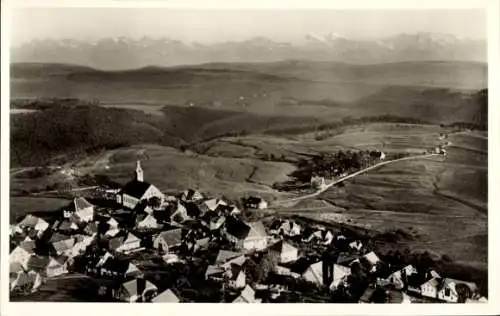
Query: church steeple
{"type": "Point", "coordinates": [139, 176]}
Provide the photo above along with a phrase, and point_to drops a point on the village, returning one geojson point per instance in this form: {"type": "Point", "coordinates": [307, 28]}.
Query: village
{"type": "Point", "coordinates": [146, 246]}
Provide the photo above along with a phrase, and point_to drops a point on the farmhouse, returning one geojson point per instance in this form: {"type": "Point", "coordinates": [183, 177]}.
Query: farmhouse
{"type": "Point", "coordinates": [168, 240]}
{"type": "Point", "coordinates": [318, 183]}
{"type": "Point", "coordinates": [125, 244]}
{"type": "Point", "coordinates": [247, 295]}
{"type": "Point", "coordinates": [147, 222]}
{"type": "Point", "coordinates": [179, 213]}
{"type": "Point", "coordinates": [26, 282]}
{"type": "Point", "coordinates": [22, 253]}
{"type": "Point", "coordinates": [340, 274]}
{"type": "Point", "coordinates": [137, 290]}
{"type": "Point", "coordinates": [61, 244]}
{"type": "Point", "coordinates": [119, 268]}
{"type": "Point", "coordinates": [225, 258]}
{"type": "Point", "coordinates": [285, 251]}
{"type": "Point", "coordinates": [256, 203]}
{"type": "Point", "coordinates": [191, 195]}
{"type": "Point", "coordinates": [236, 276]}
{"type": "Point", "coordinates": [448, 292]}
{"type": "Point", "coordinates": [48, 266]}
{"type": "Point", "coordinates": [399, 278]}
{"type": "Point", "coordinates": [166, 297]}
{"type": "Point", "coordinates": [31, 222]}
{"type": "Point", "coordinates": [81, 208]}
{"type": "Point", "coordinates": [137, 190]}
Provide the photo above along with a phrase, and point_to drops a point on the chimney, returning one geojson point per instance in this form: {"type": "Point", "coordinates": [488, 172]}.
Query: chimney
{"type": "Point", "coordinates": [141, 285]}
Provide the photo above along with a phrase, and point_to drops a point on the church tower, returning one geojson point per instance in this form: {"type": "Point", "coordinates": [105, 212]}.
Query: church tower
{"type": "Point", "coordinates": [139, 176]}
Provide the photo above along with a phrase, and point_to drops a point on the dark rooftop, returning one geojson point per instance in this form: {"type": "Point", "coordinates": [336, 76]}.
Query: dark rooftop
{"type": "Point", "coordinates": [135, 188]}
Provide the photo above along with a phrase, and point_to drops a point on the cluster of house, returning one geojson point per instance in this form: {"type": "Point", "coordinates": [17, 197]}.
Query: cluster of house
{"type": "Point", "coordinates": [193, 222]}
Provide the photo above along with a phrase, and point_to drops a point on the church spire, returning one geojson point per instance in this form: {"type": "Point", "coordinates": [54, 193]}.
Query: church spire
{"type": "Point", "coordinates": [139, 176]}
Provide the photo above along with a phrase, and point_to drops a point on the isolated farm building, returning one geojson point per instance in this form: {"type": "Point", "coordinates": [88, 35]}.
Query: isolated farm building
{"type": "Point", "coordinates": [168, 240]}
{"type": "Point", "coordinates": [191, 195]}
{"type": "Point", "coordinates": [81, 208]}
{"type": "Point", "coordinates": [256, 203]}
{"type": "Point", "coordinates": [448, 292]}
{"type": "Point", "coordinates": [48, 266]}
{"type": "Point", "coordinates": [33, 223]}
{"type": "Point", "coordinates": [318, 183]}
{"type": "Point", "coordinates": [166, 297]}
{"type": "Point", "coordinates": [247, 295]}
{"type": "Point", "coordinates": [22, 253]}
{"type": "Point", "coordinates": [147, 222]}
{"type": "Point", "coordinates": [137, 290]}
{"type": "Point", "coordinates": [26, 282]}
{"type": "Point", "coordinates": [125, 244]}
{"type": "Point", "coordinates": [137, 190]}
{"type": "Point", "coordinates": [285, 251]}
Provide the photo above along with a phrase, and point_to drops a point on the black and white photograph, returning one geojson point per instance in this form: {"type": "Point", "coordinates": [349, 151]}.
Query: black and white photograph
{"type": "Point", "coordinates": [195, 155]}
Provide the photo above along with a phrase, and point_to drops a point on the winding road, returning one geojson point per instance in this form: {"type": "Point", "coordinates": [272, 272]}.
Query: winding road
{"type": "Point", "coordinates": [328, 186]}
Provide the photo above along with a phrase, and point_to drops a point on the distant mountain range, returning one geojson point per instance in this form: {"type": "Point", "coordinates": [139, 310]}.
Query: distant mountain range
{"type": "Point", "coordinates": [126, 53]}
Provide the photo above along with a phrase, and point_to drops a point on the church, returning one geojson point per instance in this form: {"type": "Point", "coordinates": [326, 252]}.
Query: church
{"type": "Point", "coordinates": [137, 190]}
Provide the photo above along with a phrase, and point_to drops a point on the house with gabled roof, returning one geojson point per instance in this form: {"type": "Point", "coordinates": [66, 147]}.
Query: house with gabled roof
{"type": "Point", "coordinates": [137, 190]}
{"type": "Point", "coordinates": [137, 290]}
{"type": "Point", "coordinates": [147, 221]}
{"type": "Point", "coordinates": [235, 230]}
{"type": "Point", "coordinates": [81, 209]}
{"type": "Point", "coordinates": [26, 282]}
{"type": "Point", "coordinates": [166, 296]}
{"type": "Point", "coordinates": [399, 278]}
{"type": "Point", "coordinates": [226, 257]}
{"type": "Point", "coordinates": [212, 204]}
{"type": "Point", "coordinates": [112, 232]}
{"type": "Point", "coordinates": [430, 288]}
{"type": "Point", "coordinates": [247, 295]}
{"type": "Point", "coordinates": [191, 195]}
{"type": "Point", "coordinates": [235, 276]}
{"type": "Point", "coordinates": [285, 251]}
{"type": "Point", "coordinates": [179, 213]}
{"type": "Point", "coordinates": [340, 274]}
{"type": "Point", "coordinates": [256, 203]}
{"type": "Point", "coordinates": [256, 238]}
{"type": "Point", "coordinates": [168, 240]}
{"type": "Point", "coordinates": [14, 229]}
{"type": "Point", "coordinates": [447, 290]}
{"type": "Point", "coordinates": [61, 244]}
{"type": "Point", "coordinates": [22, 253]}
{"type": "Point", "coordinates": [117, 267]}
{"type": "Point", "coordinates": [31, 222]}
{"type": "Point", "coordinates": [48, 266]}
{"type": "Point", "coordinates": [125, 244]}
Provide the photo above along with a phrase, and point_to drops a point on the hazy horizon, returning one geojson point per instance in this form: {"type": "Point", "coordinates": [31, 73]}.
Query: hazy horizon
{"type": "Point", "coordinates": [208, 26]}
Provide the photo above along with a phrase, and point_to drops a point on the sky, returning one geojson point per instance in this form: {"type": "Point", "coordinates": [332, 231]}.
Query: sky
{"type": "Point", "coordinates": [223, 25]}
